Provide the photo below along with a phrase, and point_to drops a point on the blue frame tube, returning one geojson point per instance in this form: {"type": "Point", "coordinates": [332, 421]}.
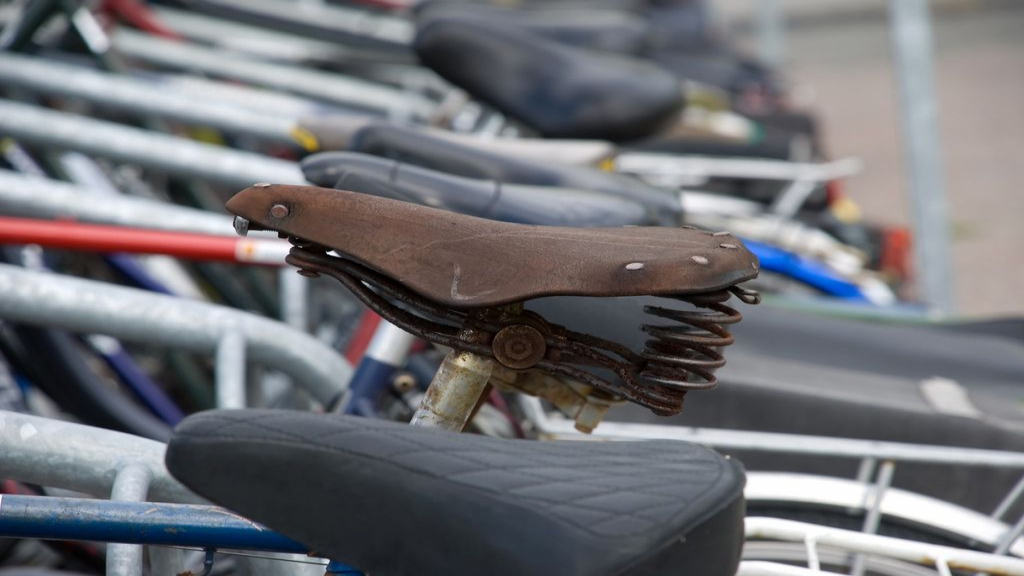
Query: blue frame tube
{"type": "Point", "coordinates": [144, 388]}
{"type": "Point", "coordinates": [388, 351]}
{"type": "Point", "coordinates": [154, 523]}
{"type": "Point", "coordinates": [810, 272]}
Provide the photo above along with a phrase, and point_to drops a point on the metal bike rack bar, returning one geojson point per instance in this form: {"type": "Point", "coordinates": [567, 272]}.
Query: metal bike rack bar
{"type": "Point", "coordinates": [336, 88]}
{"type": "Point", "coordinates": [134, 315]}
{"type": "Point", "coordinates": [82, 458]}
{"type": "Point", "coordinates": [696, 168]}
{"type": "Point", "coordinates": [563, 429]}
{"type": "Point", "coordinates": [260, 99]}
{"type": "Point", "coordinates": [130, 485]}
{"type": "Point", "coordinates": [910, 24]}
{"type": "Point", "coordinates": [137, 521]}
{"type": "Point", "coordinates": [179, 156]}
{"type": "Point", "coordinates": [351, 24]}
{"type": "Point", "coordinates": [139, 96]}
{"type": "Point", "coordinates": [263, 42]}
{"type": "Point", "coordinates": [944, 558]}
{"type": "Point", "coordinates": [22, 195]}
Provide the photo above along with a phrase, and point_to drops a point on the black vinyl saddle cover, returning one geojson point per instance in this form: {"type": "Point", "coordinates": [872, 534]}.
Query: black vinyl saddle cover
{"type": "Point", "coordinates": [393, 499]}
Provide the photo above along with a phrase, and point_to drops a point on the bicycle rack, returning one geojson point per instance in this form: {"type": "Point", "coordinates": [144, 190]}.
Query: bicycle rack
{"type": "Point", "coordinates": [99, 462]}
{"type": "Point", "coordinates": [140, 96]}
{"type": "Point", "coordinates": [175, 155]}
{"type": "Point", "coordinates": [335, 88]}
{"type": "Point", "coordinates": [877, 464]}
{"type": "Point", "coordinates": [37, 197]}
{"type": "Point", "coordinates": [134, 315]}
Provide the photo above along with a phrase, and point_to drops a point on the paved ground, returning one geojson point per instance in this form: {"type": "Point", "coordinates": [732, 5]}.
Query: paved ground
{"type": "Point", "coordinates": [837, 54]}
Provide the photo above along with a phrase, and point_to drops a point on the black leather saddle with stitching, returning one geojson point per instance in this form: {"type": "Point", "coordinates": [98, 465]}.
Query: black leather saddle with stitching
{"type": "Point", "coordinates": [392, 499]}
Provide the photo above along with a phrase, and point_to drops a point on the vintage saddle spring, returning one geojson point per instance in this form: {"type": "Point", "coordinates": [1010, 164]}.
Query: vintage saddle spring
{"type": "Point", "coordinates": [682, 353]}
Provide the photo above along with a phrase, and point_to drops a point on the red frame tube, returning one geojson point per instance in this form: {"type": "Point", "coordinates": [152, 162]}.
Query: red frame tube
{"type": "Point", "coordinates": [69, 235]}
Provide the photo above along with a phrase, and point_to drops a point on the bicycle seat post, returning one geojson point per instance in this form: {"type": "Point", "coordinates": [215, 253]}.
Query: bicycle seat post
{"type": "Point", "coordinates": [454, 392]}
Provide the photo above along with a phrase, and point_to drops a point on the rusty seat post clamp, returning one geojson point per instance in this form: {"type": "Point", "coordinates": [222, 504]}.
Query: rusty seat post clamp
{"type": "Point", "coordinates": [456, 389]}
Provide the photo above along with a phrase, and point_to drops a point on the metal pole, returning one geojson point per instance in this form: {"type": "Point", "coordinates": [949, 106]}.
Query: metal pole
{"type": "Point", "coordinates": [230, 370]}
{"type": "Point", "coordinates": [912, 42]}
{"type": "Point", "coordinates": [874, 512]}
{"type": "Point", "coordinates": [130, 485]}
{"type": "Point", "coordinates": [140, 96]}
{"type": "Point", "coordinates": [71, 456]}
{"type": "Point", "coordinates": [35, 197]}
{"type": "Point", "coordinates": [178, 156]}
{"type": "Point", "coordinates": [128, 314]}
{"type": "Point", "coordinates": [771, 28]}
{"type": "Point", "coordinates": [335, 88]}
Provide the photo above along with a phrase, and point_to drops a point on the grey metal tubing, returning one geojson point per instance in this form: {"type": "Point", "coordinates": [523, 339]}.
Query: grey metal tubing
{"type": "Point", "coordinates": [1009, 500]}
{"type": "Point", "coordinates": [253, 98]}
{"type": "Point", "coordinates": [381, 27]}
{"type": "Point", "coordinates": [140, 96]}
{"type": "Point", "coordinates": [33, 196]}
{"type": "Point", "coordinates": [88, 306]}
{"type": "Point", "coordinates": [178, 156]}
{"type": "Point", "coordinates": [771, 32]}
{"type": "Point", "coordinates": [230, 371]}
{"type": "Point", "coordinates": [130, 485]}
{"type": "Point", "coordinates": [910, 24]}
{"type": "Point", "coordinates": [270, 44]}
{"type": "Point", "coordinates": [87, 173]}
{"type": "Point", "coordinates": [294, 290]}
{"type": "Point", "coordinates": [874, 515]}
{"type": "Point", "coordinates": [335, 88]}
{"type": "Point", "coordinates": [562, 429]}
{"type": "Point", "coordinates": [698, 168]}
{"type": "Point", "coordinates": [81, 458]}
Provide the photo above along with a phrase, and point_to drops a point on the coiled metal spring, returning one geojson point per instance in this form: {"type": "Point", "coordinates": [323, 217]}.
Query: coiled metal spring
{"type": "Point", "coordinates": [685, 355]}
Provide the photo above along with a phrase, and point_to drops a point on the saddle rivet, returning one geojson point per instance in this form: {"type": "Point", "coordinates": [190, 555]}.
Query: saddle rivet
{"type": "Point", "coordinates": [722, 233]}
{"type": "Point", "coordinates": [699, 259]}
{"type": "Point", "coordinates": [729, 246]}
{"type": "Point", "coordinates": [279, 211]}
{"type": "Point", "coordinates": [634, 265]}
{"type": "Point", "coordinates": [261, 185]}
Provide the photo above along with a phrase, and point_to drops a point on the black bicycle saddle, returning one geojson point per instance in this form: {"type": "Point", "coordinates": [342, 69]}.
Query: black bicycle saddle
{"type": "Point", "coordinates": [485, 198]}
{"type": "Point", "coordinates": [393, 499]}
{"type": "Point", "coordinates": [558, 90]}
{"type": "Point", "coordinates": [593, 27]}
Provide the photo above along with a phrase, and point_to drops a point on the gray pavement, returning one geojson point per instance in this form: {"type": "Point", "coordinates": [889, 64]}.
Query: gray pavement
{"type": "Point", "coordinates": [837, 55]}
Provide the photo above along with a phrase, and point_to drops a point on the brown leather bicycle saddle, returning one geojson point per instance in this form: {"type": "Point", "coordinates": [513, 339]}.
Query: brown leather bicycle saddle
{"type": "Point", "coordinates": [467, 262]}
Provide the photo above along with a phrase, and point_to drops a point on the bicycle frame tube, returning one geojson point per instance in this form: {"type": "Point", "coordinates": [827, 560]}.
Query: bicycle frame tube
{"type": "Point", "coordinates": [808, 271]}
{"type": "Point", "coordinates": [387, 352]}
